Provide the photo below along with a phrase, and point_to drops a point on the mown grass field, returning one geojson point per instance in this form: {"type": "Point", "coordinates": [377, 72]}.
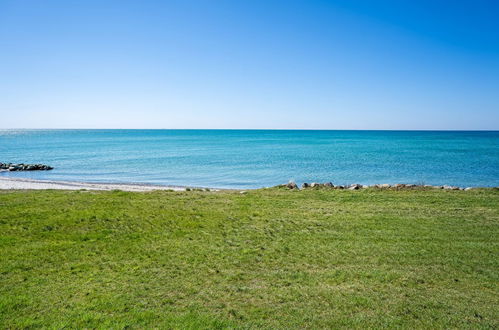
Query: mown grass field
{"type": "Point", "coordinates": [270, 258]}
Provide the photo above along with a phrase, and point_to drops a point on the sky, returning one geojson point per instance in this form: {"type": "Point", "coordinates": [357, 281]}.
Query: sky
{"type": "Point", "coordinates": [385, 64]}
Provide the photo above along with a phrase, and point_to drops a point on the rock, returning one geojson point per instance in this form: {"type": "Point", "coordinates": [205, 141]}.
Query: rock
{"type": "Point", "coordinates": [305, 185]}
{"type": "Point", "coordinates": [314, 185]}
{"type": "Point", "coordinates": [385, 185]}
{"type": "Point", "coordinates": [468, 188]}
{"type": "Point", "coordinates": [328, 184]}
{"type": "Point", "coordinates": [292, 185]}
{"type": "Point", "coordinates": [24, 167]}
{"type": "Point", "coordinates": [355, 186]}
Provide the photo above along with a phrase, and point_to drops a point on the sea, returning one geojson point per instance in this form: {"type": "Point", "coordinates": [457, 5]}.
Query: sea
{"type": "Point", "coordinates": [245, 159]}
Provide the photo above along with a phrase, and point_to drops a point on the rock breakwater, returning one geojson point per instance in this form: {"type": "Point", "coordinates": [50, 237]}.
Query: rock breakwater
{"type": "Point", "coordinates": [11, 167]}
{"type": "Point", "coordinates": [357, 186]}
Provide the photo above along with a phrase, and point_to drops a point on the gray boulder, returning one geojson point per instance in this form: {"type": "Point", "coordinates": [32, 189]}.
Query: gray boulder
{"type": "Point", "coordinates": [355, 186]}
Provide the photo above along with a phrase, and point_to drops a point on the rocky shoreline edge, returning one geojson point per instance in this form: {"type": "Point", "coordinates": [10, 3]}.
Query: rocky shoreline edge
{"type": "Point", "coordinates": [357, 186]}
{"type": "Point", "coordinates": [12, 167]}
{"type": "Point", "coordinates": [9, 183]}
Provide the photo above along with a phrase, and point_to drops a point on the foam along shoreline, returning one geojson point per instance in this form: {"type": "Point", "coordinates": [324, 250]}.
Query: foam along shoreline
{"type": "Point", "coordinates": [29, 184]}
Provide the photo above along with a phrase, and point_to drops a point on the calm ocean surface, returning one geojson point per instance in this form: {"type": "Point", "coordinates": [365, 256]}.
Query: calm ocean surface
{"type": "Point", "coordinates": [256, 158]}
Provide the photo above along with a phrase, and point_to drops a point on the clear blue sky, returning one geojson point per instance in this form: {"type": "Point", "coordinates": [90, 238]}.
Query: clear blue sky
{"type": "Point", "coordinates": [249, 64]}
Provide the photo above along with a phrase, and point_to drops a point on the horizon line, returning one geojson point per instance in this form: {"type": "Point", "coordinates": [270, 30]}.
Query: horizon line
{"type": "Point", "coordinates": [264, 129]}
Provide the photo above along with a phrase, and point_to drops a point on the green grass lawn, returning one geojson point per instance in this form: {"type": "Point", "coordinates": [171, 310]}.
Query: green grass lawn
{"type": "Point", "coordinates": [270, 258]}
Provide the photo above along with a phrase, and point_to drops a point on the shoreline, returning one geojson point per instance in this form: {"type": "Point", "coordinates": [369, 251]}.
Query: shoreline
{"type": "Point", "coordinates": [31, 184]}
{"type": "Point", "coordinates": [9, 183]}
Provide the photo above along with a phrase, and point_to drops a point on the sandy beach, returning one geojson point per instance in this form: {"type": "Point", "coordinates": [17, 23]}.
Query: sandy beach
{"type": "Point", "coordinates": [24, 184]}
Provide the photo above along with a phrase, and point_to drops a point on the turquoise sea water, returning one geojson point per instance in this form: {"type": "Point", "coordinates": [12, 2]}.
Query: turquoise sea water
{"type": "Point", "coordinates": [256, 158]}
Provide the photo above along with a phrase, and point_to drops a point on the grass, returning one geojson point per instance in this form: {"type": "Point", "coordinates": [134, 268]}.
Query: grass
{"type": "Point", "coordinates": [269, 258]}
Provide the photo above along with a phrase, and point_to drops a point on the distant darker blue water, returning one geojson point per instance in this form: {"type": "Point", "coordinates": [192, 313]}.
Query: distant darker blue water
{"type": "Point", "coordinates": [256, 158]}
